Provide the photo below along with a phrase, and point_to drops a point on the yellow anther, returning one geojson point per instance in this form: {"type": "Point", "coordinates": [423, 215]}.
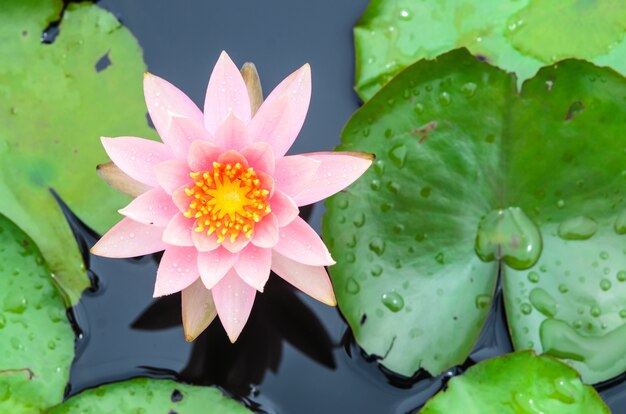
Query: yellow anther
{"type": "Point", "coordinates": [227, 200]}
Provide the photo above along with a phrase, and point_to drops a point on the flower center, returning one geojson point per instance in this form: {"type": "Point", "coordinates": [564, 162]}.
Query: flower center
{"type": "Point", "coordinates": [227, 200]}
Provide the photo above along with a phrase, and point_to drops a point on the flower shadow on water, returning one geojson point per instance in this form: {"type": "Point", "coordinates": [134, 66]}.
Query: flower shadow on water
{"type": "Point", "coordinates": [122, 332]}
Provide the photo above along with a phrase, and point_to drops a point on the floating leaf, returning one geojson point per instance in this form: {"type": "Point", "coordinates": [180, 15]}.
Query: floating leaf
{"type": "Point", "coordinates": [36, 339]}
{"type": "Point", "coordinates": [517, 383]}
{"type": "Point", "coordinates": [144, 395]}
{"type": "Point", "coordinates": [487, 174]}
{"type": "Point", "coordinates": [517, 35]}
{"type": "Point", "coordinates": [54, 105]}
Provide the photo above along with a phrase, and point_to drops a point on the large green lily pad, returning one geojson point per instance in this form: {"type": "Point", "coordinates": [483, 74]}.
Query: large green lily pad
{"type": "Point", "coordinates": [517, 35]}
{"type": "Point", "coordinates": [469, 173]}
{"type": "Point", "coordinates": [517, 383]}
{"type": "Point", "coordinates": [36, 339]}
{"type": "Point", "coordinates": [54, 106]}
{"type": "Point", "coordinates": [144, 395]}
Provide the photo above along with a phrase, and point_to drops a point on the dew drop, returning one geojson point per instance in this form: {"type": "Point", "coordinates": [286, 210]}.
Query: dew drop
{"type": "Point", "coordinates": [621, 276]}
{"type": "Point", "coordinates": [577, 228]}
{"type": "Point", "coordinates": [377, 270]}
{"type": "Point", "coordinates": [393, 301]}
{"type": "Point", "coordinates": [543, 302]}
{"type": "Point", "coordinates": [352, 286]}
{"type": "Point", "coordinates": [526, 308]}
{"type": "Point", "coordinates": [444, 99]}
{"type": "Point", "coordinates": [482, 301]}
{"type": "Point", "coordinates": [440, 258]}
{"type": "Point", "coordinates": [605, 284]}
{"type": "Point", "coordinates": [15, 304]}
{"type": "Point", "coordinates": [393, 186]}
{"type": "Point", "coordinates": [379, 166]}
{"type": "Point", "coordinates": [359, 219]}
{"type": "Point", "coordinates": [377, 245]}
{"type": "Point", "coordinates": [595, 311]}
{"type": "Point", "coordinates": [468, 89]}
{"type": "Point", "coordinates": [620, 223]}
{"type": "Point", "coordinates": [425, 192]}
{"type": "Point", "coordinates": [398, 155]}
{"type": "Point", "coordinates": [533, 277]}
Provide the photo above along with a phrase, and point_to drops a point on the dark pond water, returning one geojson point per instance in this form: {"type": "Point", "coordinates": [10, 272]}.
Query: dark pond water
{"type": "Point", "coordinates": [295, 355]}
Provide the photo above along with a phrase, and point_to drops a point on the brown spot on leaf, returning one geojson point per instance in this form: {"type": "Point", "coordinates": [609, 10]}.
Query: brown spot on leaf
{"type": "Point", "coordinates": [26, 371]}
{"type": "Point", "coordinates": [574, 109]}
{"type": "Point", "coordinates": [424, 130]}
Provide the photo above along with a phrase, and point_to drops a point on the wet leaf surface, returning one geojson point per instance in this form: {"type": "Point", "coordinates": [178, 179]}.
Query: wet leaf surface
{"type": "Point", "coordinates": [519, 36]}
{"type": "Point", "coordinates": [56, 100]}
{"type": "Point", "coordinates": [150, 396]}
{"type": "Point", "coordinates": [36, 339]}
{"type": "Point", "coordinates": [469, 174]}
{"type": "Point", "coordinates": [517, 383]}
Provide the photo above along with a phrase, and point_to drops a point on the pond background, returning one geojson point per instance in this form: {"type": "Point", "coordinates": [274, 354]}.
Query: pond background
{"type": "Point", "coordinates": [296, 355]}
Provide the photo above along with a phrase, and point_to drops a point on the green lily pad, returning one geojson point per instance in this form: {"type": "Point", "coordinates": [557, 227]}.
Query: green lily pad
{"type": "Point", "coordinates": [54, 106]}
{"type": "Point", "coordinates": [142, 395]}
{"type": "Point", "coordinates": [517, 383]}
{"type": "Point", "coordinates": [470, 174]}
{"type": "Point", "coordinates": [36, 339]}
{"type": "Point", "coordinates": [517, 35]}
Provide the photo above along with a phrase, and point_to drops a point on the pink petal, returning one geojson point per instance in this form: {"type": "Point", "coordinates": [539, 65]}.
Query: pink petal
{"type": "Point", "coordinates": [280, 118]}
{"type": "Point", "coordinates": [336, 171]}
{"type": "Point", "coordinates": [202, 155]}
{"type": "Point", "coordinates": [178, 231]}
{"type": "Point", "coordinates": [253, 266]}
{"type": "Point", "coordinates": [295, 173]}
{"type": "Point", "coordinates": [237, 245]}
{"type": "Point", "coordinates": [137, 156]}
{"type": "Point", "coordinates": [214, 265]}
{"type": "Point", "coordinates": [232, 133]}
{"type": "Point", "coordinates": [232, 157]}
{"type": "Point", "coordinates": [177, 270]}
{"type": "Point", "coordinates": [129, 238]}
{"type": "Point", "coordinates": [203, 241]}
{"type": "Point", "coordinates": [184, 131]}
{"type": "Point", "coordinates": [172, 174]}
{"type": "Point", "coordinates": [233, 299]}
{"type": "Point", "coordinates": [312, 280]}
{"type": "Point", "coordinates": [152, 207]}
{"type": "Point", "coordinates": [181, 199]}
{"type": "Point", "coordinates": [198, 309]}
{"type": "Point", "coordinates": [266, 232]}
{"type": "Point", "coordinates": [284, 208]}
{"type": "Point", "coordinates": [266, 182]}
{"type": "Point", "coordinates": [164, 100]}
{"type": "Point", "coordinates": [260, 156]}
{"type": "Point", "coordinates": [299, 242]}
{"type": "Point", "coordinates": [119, 180]}
{"type": "Point", "coordinates": [226, 93]}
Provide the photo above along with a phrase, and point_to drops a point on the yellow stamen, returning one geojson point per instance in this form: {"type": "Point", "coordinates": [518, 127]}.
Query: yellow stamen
{"type": "Point", "coordinates": [227, 200]}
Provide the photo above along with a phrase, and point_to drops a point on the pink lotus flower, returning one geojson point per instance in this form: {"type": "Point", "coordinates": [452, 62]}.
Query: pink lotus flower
{"type": "Point", "coordinates": [222, 197]}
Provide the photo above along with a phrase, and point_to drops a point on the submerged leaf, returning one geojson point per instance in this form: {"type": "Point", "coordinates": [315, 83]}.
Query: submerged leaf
{"type": "Point", "coordinates": [517, 35]}
{"type": "Point", "coordinates": [517, 383]}
{"type": "Point", "coordinates": [54, 106]}
{"type": "Point", "coordinates": [469, 174]}
{"type": "Point", "coordinates": [36, 339]}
